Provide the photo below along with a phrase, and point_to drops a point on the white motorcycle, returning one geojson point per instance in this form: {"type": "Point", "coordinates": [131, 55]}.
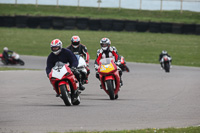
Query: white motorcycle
{"type": "Point", "coordinates": [166, 63]}
{"type": "Point", "coordinates": [82, 68]}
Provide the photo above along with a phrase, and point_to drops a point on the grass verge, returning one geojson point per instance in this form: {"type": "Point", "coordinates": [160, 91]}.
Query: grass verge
{"type": "Point", "coordinates": [154, 130]}
{"type": "Point", "coordinates": [109, 13]}
{"type": "Point", "coordinates": [11, 68]}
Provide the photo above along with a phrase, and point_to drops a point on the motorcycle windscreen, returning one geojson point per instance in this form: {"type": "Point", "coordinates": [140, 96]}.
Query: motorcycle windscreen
{"type": "Point", "coordinates": [81, 62]}
{"type": "Point", "coordinates": [107, 68]}
{"type": "Point", "coordinates": [59, 72]}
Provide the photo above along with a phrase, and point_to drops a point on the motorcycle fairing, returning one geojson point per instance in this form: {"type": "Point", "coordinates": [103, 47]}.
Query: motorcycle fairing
{"type": "Point", "coordinates": [58, 72]}
{"type": "Point", "coordinates": [110, 77]}
{"type": "Point", "coordinates": [165, 58]}
{"type": "Point", "coordinates": [106, 66]}
{"type": "Point", "coordinates": [65, 83]}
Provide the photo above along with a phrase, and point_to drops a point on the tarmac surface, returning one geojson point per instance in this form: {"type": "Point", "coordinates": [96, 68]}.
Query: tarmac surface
{"type": "Point", "coordinates": [149, 98]}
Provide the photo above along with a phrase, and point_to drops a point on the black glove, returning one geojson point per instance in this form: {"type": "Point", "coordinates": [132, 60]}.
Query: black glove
{"type": "Point", "coordinates": [75, 71]}
{"type": "Point", "coordinates": [97, 75]}
{"type": "Point", "coordinates": [118, 63]}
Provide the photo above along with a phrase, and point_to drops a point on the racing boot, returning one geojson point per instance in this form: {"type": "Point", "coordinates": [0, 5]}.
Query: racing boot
{"type": "Point", "coordinates": [121, 82]}
{"type": "Point", "coordinates": [161, 64]}
{"type": "Point", "coordinates": [116, 96]}
{"type": "Point", "coordinates": [101, 86]}
{"type": "Point", "coordinates": [81, 87]}
{"type": "Point", "coordinates": [86, 81]}
{"type": "Point", "coordinates": [57, 95]}
{"type": "Point", "coordinates": [120, 75]}
{"type": "Point", "coordinates": [76, 94]}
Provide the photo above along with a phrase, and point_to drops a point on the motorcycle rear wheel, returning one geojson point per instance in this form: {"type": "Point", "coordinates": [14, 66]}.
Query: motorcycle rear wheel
{"type": "Point", "coordinates": [110, 89]}
{"type": "Point", "coordinates": [167, 67]}
{"type": "Point", "coordinates": [65, 95]}
{"type": "Point", "coordinates": [127, 69]}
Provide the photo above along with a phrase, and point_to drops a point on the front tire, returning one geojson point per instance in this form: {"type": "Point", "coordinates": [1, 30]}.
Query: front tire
{"type": "Point", "coordinates": [21, 62]}
{"type": "Point", "coordinates": [110, 89]}
{"type": "Point", "coordinates": [65, 95]}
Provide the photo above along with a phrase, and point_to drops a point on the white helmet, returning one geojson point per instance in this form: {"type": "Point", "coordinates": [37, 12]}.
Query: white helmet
{"type": "Point", "coordinates": [75, 41]}
{"type": "Point", "coordinates": [105, 43]}
{"type": "Point", "coordinates": [5, 49]}
{"type": "Point", "coordinates": [56, 43]}
{"type": "Point", "coordinates": [164, 52]}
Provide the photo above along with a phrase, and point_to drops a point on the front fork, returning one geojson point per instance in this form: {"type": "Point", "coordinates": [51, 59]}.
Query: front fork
{"type": "Point", "coordinates": [103, 79]}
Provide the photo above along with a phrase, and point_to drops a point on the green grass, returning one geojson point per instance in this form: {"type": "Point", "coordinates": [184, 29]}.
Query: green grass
{"type": "Point", "coordinates": [110, 13]}
{"type": "Point", "coordinates": [154, 130]}
{"type": "Point", "coordinates": [135, 47]}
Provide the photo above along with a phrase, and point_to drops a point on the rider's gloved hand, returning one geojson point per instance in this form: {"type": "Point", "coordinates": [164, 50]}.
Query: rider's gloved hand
{"type": "Point", "coordinates": [75, 71]}
{"type": "Point", "coordinates": [97, 75]}
{"type": "Point", "coordinates": [118, 63]}
{"type": "Point", "coordinates": [96, 66]}
{"type": "Point", "coordinates": [101, 51]}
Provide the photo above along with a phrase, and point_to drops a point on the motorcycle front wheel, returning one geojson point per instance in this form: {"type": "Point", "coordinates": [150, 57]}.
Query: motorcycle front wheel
{"type": "Point", "coordinates": [110, 89]}
{"type": "Point", "coordinates": [21, 62]}
{"type": "Point", "coordinates": [65, 95]}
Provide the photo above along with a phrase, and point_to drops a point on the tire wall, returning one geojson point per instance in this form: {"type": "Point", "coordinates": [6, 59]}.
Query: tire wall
{"type": "Point", "coordinates": [67, 23]}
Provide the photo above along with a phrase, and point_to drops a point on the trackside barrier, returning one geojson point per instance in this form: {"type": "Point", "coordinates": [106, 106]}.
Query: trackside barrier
{"type": "Point", "coordinates": [94, 24]}
{"type": "Point", "coordinates": [68, 23]}
{"type": "Point", "coordinates": [154, 27]}
{"type": "Point", "coordinates": [166, 27]}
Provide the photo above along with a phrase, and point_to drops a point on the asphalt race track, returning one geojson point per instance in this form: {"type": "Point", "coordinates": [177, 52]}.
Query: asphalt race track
{"type": "Point", "coordinates": [150, 98]}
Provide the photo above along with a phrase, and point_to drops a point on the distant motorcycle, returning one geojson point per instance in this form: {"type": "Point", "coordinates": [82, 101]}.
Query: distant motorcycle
{"type": "Point", "coordinates": [13, 59]}
{"type": "Point", "coordinates": [82, 68]}
{"type": "Point", "coordinates": [123, 65]}
{"type": "Point", "coordinates": [109, 77]}
{"type": "Point", "coordinates": [65, 84]}
{"type": "Point", "coordinates": [166, 63]}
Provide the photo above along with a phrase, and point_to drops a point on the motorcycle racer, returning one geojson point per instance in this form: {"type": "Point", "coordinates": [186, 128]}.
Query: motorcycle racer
{"type": "Point", "coordinates": [6, 52]}
{"type": "Point", "coordinates": [164, 53]}
{"type": "Point", "coordinates": [64, 55]}
{"type": "Point", "coordinates": [107, 51]}
{"type": "Point", "coordinates": [79, 49]}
